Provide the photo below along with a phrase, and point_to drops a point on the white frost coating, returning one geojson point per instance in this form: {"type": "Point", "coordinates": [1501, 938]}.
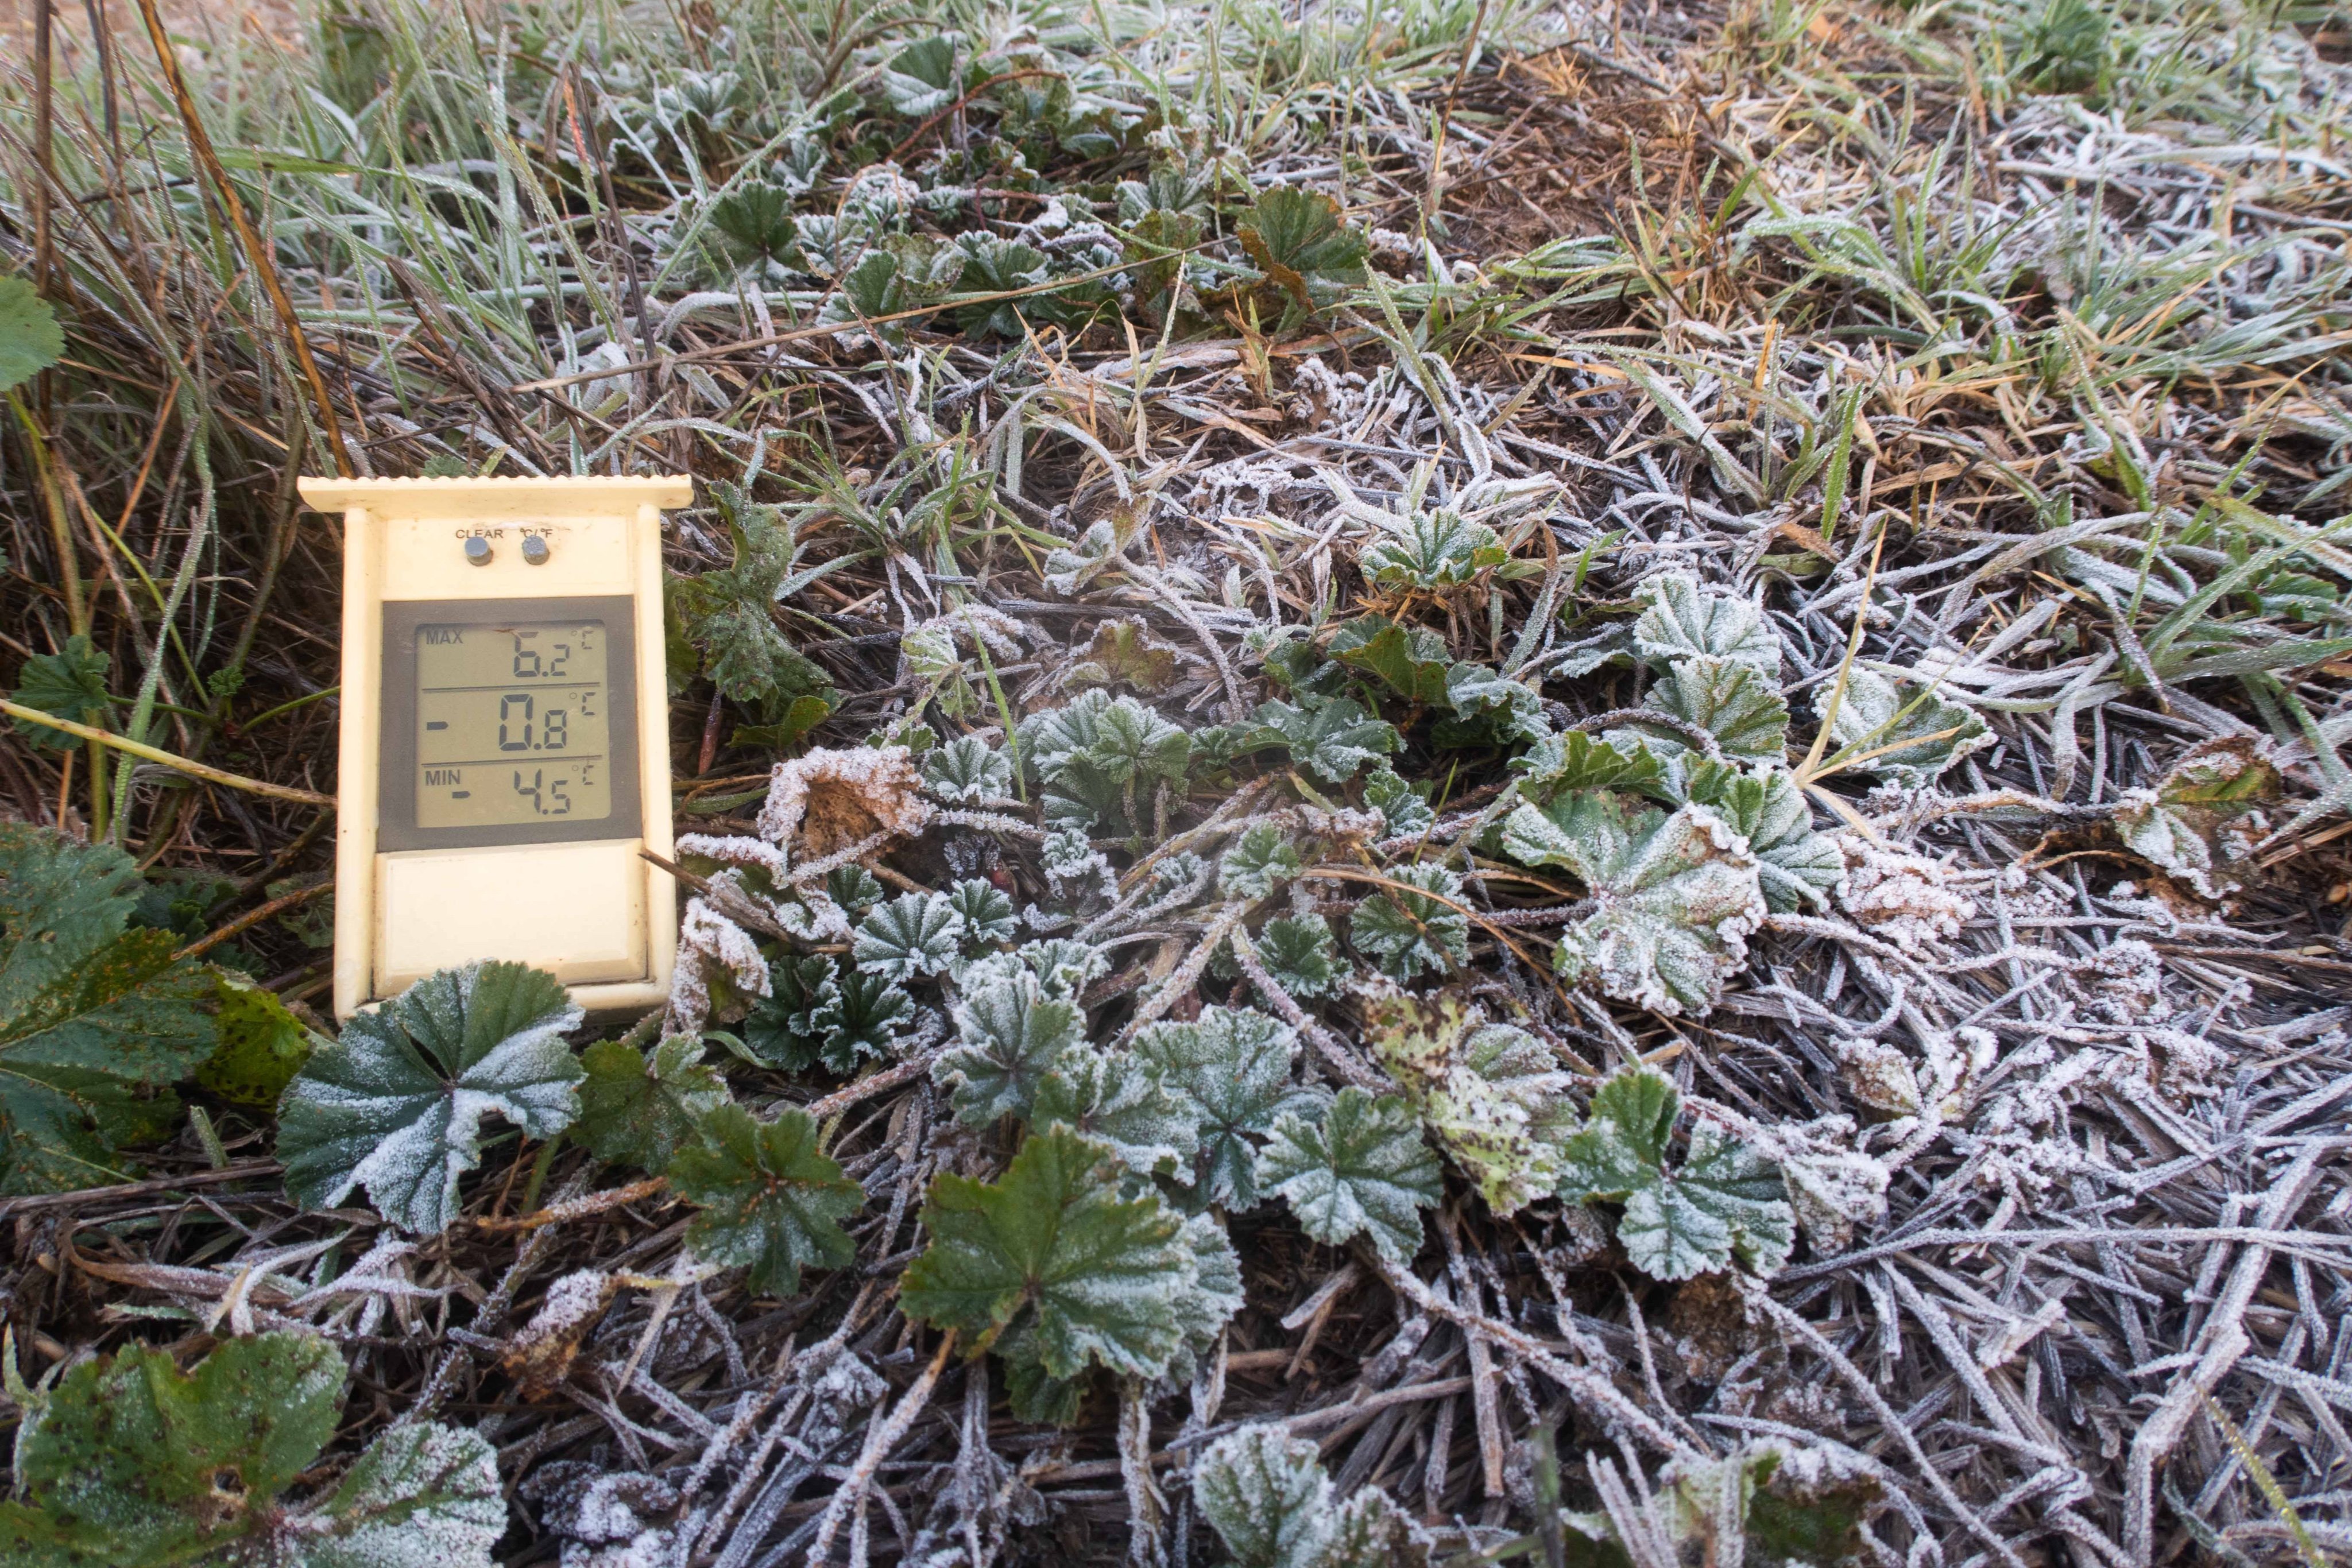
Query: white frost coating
{"type": "Point", "coordinates": [570, 1301]}
{"type": "Point", "coordinates": [421, 1497]}
{"type": "Point", "coordinates": [710, 944]}
{"type": "Point", "coordinates": [837, 796]}
{"type": "Point", "coordinates": [1906, 899]}
{"type": "Point", "coordinates": [738, 848]}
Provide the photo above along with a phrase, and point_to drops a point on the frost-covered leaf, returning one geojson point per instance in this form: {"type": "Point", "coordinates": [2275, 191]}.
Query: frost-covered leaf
{"type": "Point", "coordinates": [69, 684]}
{"type": "Point", "coordinates": [1329, 737]}
{"type": "Point", "coordinates": [1300, 239]}
{"type": "Point", "coordinates": [928, 653]}
{"type": "Point", "coordinates": [1575, 760]}
{"type": "Point", "coordinates": [859, 1016]}
{"type": "Point", "coordinates": [1210, 1293]}
{"type": "Point", "coordinates": [967, 769]}
{"type": "Point", "coordinates": [724, 622]}
{"type": "Point", "coordinates": [1116, 1098]}
{"type": "Point", "coordinates": [1010, 1034]}
{"type": "Point", "coordinates": [1123, 653]}
{"type": "Point", "coordinates": [395, 1105]}
{"type": "Point", "coordinates": [1511, 707]}
{"type": "Point", "coordinates": [921, 80]}
{"type": "Point", "coordinates": [1299, 954]}
{"type": "Point", "coordinates": [853, 887]}
{"type": "Point", "coordinates": [782, 1028]}
{"type": "Point", "coordinates": [1402, 807]}
{"type": "Point", "coordinates": [1674, 897]}
{"type": "Point", "coordinates": [130, 1461]}
{"type": "Point", "coordinates": [1768, 1502]}
{"type": "Point", "coordinates": [1916, 732]}
{"type": "Point", "coordinates": [1414, 926]}
{"type": "Point", "coordinates": [1230, 1067]}
{"type": "Point", "coordinates": [1491, 1094]}
{"type": "Point", "coordinates": [1100, 755]}
{"type": "Point", "coordinates": [2201, 820]}
{"type": "Point", "coordinates": [30, 339]}
{"type": "Point", "coordinates": [771, 1201]}
{"type": "Point", "coordinates": [1064, 967]}
{"type": "Point", "coordinates": [1796, 864]}
{"type": "Point", "coordinates": [97, 1020]}
{"type": "Point", "coordinates": [1832, 1186]}
{"type": "Point", "coordinates": [1722, 1201]}
{"type": "Point", "coordinates": [1435, 548]}
{"type": "Point", "coordinates": [1265, 1494]}
{"type": "Point", "coordinates": [1736, 703]}
{"type": "Point", "coordinates": [1411, 659]}
{"type": "Point", "coordinates": [915, 933]}
{"type": "Point", "coordinates": [641, 1111]}
{"type": "Point", "coordinates": [1054, 1259]}
{"type": "Point", "coordinates": [986, 912]}
{"type": "Point", "coordinates": [262, 1046]}
{"type": "Point", "coordinates": [1362, 1170]}
{"type": "Point", "coordinates": [1681, 617]}
{"type": "Point", "coordinates": [1259, 860]}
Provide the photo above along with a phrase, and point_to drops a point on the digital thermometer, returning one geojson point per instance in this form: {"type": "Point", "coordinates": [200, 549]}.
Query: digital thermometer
{"type": "Point", "coordinates": [504, 744]}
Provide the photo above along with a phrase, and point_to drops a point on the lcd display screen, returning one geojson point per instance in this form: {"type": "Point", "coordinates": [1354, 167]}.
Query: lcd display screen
{"type": "Point", "coordinates": [513, 723]}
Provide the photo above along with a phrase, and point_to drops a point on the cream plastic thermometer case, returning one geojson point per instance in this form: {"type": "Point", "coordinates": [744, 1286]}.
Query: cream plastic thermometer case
{"type": "Point", "coordinates": [505, 744]}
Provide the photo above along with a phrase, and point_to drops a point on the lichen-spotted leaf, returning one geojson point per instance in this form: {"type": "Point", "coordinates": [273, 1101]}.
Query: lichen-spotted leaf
{"type": "Point", "coordinates": [96, 1020]}
{"type": "Point", "coordinates": [771, 1201]}
{"type": "Point", "coordinates": [1493, 1095]}
{"type": "Point", "coordinates": [395, 1105]}
{"type": "Point", "coordinates": [1053, 1252]}
{"type": "Point", "coordinates": [1362, 1170]}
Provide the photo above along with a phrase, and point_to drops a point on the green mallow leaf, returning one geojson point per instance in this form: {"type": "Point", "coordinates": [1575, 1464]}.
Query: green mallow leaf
{"type": "Point", "coordinates": [1010, 1033]}
{"type": "Point", "coordinates": [1265, 1494]}
{"type": "Point", "coordinates": [725, 620]}
{"type": "Point", "coordinates": [1734, 702]}
{"type": "Point", "coordinates": [1722, 1201]}
{"type": "Point", "coordinates": [69, 684]}
{"type": "Point", "coordinates": [1305, 247]}
{"type": "Point", "coordinates": [1260, 860]}
{"type": "Point", "coordinates": [1124, 653]}
{"type": "Point", "coordinates": [1768, 1502]}
{"type": "Point", "coordinates": [967, 769]}
{"type": "Point", "coordinates": [1116, 1098]}
{"type": "Point", "coordinates": [1056, 1258]}
{"type": "Point", "coordinates": [2201, 820]}
{"type": "Point", "coordinates": [1231, 1068]}
{"type": "Point", "coordinates": [986, 912]}
{"type": "Point", "coordinates": [1796, 865]}
{"type": "Point", "coordinates": [921, 80]}
{"type": "Point", "coordinates": [853, 887]}
{"type": "Point", "coordinates": [1299, 955]}
{"type": "Point", "coordinates": [771, 1201]}
{"type": "Point", "coordinates": [1331, 737]}
{"type": "Point", "coordinates": [1491, 1094]}
{"type": "Point", "coordinates": [97, 1020]}
{"type": "Point", "coordinates": [1403, 808]}
{"type": "Point", "coordinates": [1916, 733]}
{"type": "Point", "coordinates": [1361, 1170]}
{"type": "Point", "coordinates": [1412, 926]}
{"type": "Point", "coordinates": [1575, 760]}
{"type": "Point", "coordinates": [859, 1016]}
{"type": "Point", "coordinates": [782, 1028]}
{"type": "Point", "coordinates": [1674, 897]}
{"type": "Point", "coordinates": [262, 1045]}
{"type": "Point", "coordinates": [641, 1111]}
{"type": "Point", "coordinates": [395, 1105]}
{"type": "Point", "coordinates": [1411, 659]}
{"type": "Point", "coordinates": [1431, 549]}
{"type": "Point", "coordinates": [129, 1462]}
{"type": "Point", "coordinates": [1511, 707]}
{"type": "Point", "coordinates": [1680, 617]}
{"type": "Point", "coordinates": [30, 338]}
{"type": "Point", "coordinates": [1101, 751]}
{"type": "Point", "coordinates": [915, 933]}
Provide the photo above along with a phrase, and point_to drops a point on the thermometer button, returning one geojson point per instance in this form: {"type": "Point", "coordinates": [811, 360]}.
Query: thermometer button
{"type": "Point", "coordinates": [534, 550]}
{"type": "Point", "coordinates": [477, 550]}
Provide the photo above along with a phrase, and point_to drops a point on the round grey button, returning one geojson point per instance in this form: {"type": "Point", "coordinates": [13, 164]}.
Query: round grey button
{"type": "Point", "coordinates": [477, 550]}
{"type": "Point", "coordinates": [534, 550]}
